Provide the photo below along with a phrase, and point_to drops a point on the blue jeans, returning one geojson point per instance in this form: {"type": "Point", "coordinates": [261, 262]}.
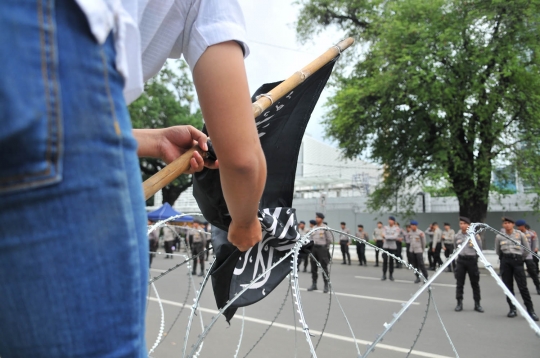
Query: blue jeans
{"type": "Point", "coordinates": [73, 244]}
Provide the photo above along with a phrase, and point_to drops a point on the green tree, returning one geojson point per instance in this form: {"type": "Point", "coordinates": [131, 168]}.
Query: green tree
{"type": "Point", "coordinates": [442, 89]}
{"type": "Point", "coordinates": [167, 101]}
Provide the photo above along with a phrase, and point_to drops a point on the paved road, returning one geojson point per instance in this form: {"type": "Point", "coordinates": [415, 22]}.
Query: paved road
{"type": "Point", "coordinates": [368, 303]}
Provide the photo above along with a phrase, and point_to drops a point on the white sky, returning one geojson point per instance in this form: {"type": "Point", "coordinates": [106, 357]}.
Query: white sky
{"type": "Point", "coordinates": [275, 52]}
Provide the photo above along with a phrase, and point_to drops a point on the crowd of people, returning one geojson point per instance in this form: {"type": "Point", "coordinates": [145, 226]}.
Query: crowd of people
{"type": "Point", "coordinates": [433, 241]}
{"type": "Point", "coordinates": [195, 238]}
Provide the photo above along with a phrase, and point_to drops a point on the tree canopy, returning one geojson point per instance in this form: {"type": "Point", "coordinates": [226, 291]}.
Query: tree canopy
{"type": "Point", "coordinates": [443, 90]}
{"type": "Point", "coordinates": [167, 101]}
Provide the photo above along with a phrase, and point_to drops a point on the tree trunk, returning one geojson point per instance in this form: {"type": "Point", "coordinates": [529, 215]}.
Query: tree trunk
{"type": "Point", "coordinates": [476, 211]}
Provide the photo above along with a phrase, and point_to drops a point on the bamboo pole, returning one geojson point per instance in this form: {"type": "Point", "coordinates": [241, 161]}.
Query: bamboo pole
{"type": "Point", "coordinates": [181, 164]}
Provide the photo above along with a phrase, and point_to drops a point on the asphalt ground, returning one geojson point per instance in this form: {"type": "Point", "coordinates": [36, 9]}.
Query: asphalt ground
{"type": "Point", "coordinates": [368, 303]}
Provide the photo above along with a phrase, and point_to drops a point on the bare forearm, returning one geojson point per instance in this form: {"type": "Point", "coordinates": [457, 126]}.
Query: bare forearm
{"type": "Point", "coordinates": [223, 92]}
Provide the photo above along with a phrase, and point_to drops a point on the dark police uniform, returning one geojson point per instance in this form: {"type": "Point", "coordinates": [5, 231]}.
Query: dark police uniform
{"type": "Point", "coordinates": [198, 243]}
{"type": "Point", "coordinates": [512, 257]}
{"type": "Point", "coordinates": [322, 239]}
{"type": "Point", "coordinates": [417, 245]}
{"type": "Point", "coordinates": [467, 263]}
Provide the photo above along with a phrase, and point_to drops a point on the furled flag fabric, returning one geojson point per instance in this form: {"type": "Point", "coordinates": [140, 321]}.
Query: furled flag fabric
{"type": "Point", "coordinates": [281, 128]}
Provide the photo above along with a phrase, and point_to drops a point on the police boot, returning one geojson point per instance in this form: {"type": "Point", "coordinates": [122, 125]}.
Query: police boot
{"type": "Point", "coordinates": [477, 307]}
{"type": "Point", "coordinates": [512, 312]}
{"type": "Point", "coordinates": [533, 315]}
{"type": "Point", "coordinates": [417, 280]}
{"type": "Point", "coordinates": [391, 277]}
{"type": "Point", "coordinates": [325, 287]}
{"type": "Point", "coordinates": [459, 306]}
{"type": "Point", "coordinates": [313, 286]}
{"type": "Point", "coordinates": [383, 278]}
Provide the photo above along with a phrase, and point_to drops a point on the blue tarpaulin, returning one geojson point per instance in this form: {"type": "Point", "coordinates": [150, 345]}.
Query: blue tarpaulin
{"type": "Point", "coordinates": [165, 212]}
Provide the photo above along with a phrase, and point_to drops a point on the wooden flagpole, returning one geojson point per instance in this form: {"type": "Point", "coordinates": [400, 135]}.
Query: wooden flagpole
{"type": "Point", "coordinates": [181, 164]}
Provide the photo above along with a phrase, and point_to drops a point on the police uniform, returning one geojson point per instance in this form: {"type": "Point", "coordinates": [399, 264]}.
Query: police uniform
{"type": "Point", "coordinates": [529, 263]}
{"type": "Point", "coordinates": [198, 243]}
{"type": "Point", "coordinates": [512, 257]}
{"type": "Point", "coordinates": [407, 239]}
{"type": "Point", "coordinates": [391, 235]}
{"type": "Point", "coordinates": [437, 244]}
{"type": "Point", "coordinates": [467, 263]}
{"type": "Point", "coordinates": [303, 256]}
{"type": "Point", "coordinates": [378, 237]}
{"type": "Point", "coordinates": [417, 245]}
{"type": "Point", "coordinates": [399, 247]}
{"type": "Point", "coordinates": [361, 247]}
{"type": "Point", "coordinates": [448, 245]}
{"type": "Point", "coordinates": [153, 243]}
{"type": "Point", "coordinates": [429, 236]}
{"type": "Point", "coordinates": [344, 244]}
{"type": "Point", "coordinates": [322, 239]}
{"type": "Point", "coordinates": [169, 235]}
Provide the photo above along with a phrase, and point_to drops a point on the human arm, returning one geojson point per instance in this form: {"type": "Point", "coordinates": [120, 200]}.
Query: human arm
{"type": "Point", "coordinates": [169, 143]}
{"type": "Point", "coordinates": [525, 243]}
{"type": "Point", "coordinates": [221, 83]}
{"type": "Point", "coordinates": [328, 237]}
{"type": "Point", "coordinates": [498, 245]}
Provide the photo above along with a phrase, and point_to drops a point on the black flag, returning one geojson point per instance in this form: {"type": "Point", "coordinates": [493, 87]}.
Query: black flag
{"type": "Point", "coordinates": [281, 128]}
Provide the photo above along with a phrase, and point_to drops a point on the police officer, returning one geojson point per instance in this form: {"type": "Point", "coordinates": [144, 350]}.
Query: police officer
{"type": "Point", "coordinates": [448, 244]}
{"type": "Point", "coordinates": [391, 234]}
{"type": "Point", "coordinates": [408, 243]}
{"type": "Point", "coordinates": [321, 242]}
{"type": "Point", "coordinates": [378, 237]}
{"type": "Point", "coordinates": [529, 263]}
{"type": "Point", "coordinates": [360, 246]}
{"type": "Point", "coordinates": [436, 246]}
{"type": "Point", "coordinates": [467, 263]}
{"type": "Point", "coordinates": [344, 243]}
{"type": "Point", "coordinates": [399, 245]}
{"type": "Point", "coordinates": [512, 265]}
{"type": "Point", "coordinates": [303, 256]}
{"type": "Point", "coordinates": [198, 243]}
{"type": "Point", "coordinates": [536, 260]}
{"type": "Point", "coordinates": [169, 234]}
{"type": "Point", "coordinates": [417, 245]}
{"type": "Point", "coordinates": [429, 237]}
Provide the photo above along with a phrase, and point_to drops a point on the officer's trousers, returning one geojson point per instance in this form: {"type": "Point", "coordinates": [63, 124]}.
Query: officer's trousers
{"type": "Point", "coordinates": [531, 269]}
{"type": "Point", "coordinates": [361, 252]}
{"type": "Point", "coordinates": [345, 251]}
{"type": "Point", "coordinates": [417, 260]}
{"type": "Point", "coordinates": [467, 265]}
{"type": "Point", "coordinates": [430, 255]}
{"type": "Point", "coordinates": [196, 248]}
{"type": "Point", "coordinates": [512, 267]}
{"type": "Point", "coordinates": [320, 253]}
{"type": "Point", "coordinates": [437, 255]}
{"type": "Point", "coordinates": [449, 250]}
{"type": "Point", "coordinates": [378, 243]}
{"type": "Point", "coordinates": [387, 259]}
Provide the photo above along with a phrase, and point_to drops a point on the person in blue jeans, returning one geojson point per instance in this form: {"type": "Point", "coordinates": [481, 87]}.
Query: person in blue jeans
{"type": "Point", "coordinates": [73, 240]}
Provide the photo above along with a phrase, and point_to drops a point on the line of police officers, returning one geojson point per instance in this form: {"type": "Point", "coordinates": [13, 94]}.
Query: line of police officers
{"type": "Point", "coordinates": [389, 238]}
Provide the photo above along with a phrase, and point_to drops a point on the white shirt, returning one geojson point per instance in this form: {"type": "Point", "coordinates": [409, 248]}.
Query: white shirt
{"type": "Point", "coordinates": [147, 32]}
